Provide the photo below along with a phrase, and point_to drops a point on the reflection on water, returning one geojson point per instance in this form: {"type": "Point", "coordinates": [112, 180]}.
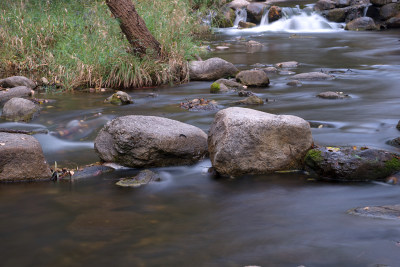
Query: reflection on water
{"type": "Point", "coordinates": [190, 219]}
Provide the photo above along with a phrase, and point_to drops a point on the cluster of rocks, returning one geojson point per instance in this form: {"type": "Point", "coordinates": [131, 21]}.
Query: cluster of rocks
{"type": "Point", "coordinates": [240, 141]}
{"type": "Point", "coordinates": [362, 14]}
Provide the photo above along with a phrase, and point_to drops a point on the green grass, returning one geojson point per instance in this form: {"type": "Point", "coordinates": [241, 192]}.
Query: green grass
{"type": "Point", "coordinates": [78, 43]}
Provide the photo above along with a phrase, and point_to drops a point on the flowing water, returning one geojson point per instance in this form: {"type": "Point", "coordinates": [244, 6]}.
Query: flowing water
{"type": "Point", "coordinates": [191, 219]}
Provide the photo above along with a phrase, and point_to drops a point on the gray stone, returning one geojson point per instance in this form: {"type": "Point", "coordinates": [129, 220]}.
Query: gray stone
{"type": "Point", "coordinates": [211, 69]}
{"type": "Point", "coordinates": [19, 91]}
{"type": "Point", "coordinates": [351, 163]}
{"type": "Point", "coordinates": [255, 12]}
{"type": "Point", "coordinates": [20, 109]}
{"type": "Point", "coordinates": [390, 10]}
{"type": "Point", "coordinates": [361, 24]}
{"type": "Point", "coordinates": [332, 95]}
{"type": "Point", "coordinates": [311, 76]}
{"type": "Point", "coordinates": [251, 100]}
{"type": "Point", "coordinates": [244, 93]}
{"type": "Point", "coordinates": [379, 212]}
{"type": "Point", "coordinates": [16, 81]}
{"type": "Point", "coordinates": [287, 64]}
{"type": "Point", "coordinates": [268, 70]}
{"type": "Point", "coordinates": [393, 22]}
{"type": "Point", "coordinates": [119, 98]}
{"type": "Point", "coordinates": [295, 83]}
{"type": "Point", "coordinates": [238, 4]}
{"type": "Point", "coordinates": [380, 2]}
{"type": "Point", "coordinates": [22, 159]}
{"type": "Point", "coordinates": [256, 78]}
{"type": "Point", "coordinates": [148, 141]}
{"type": "Point", "coordinates": [246, 141]}
{"type": "Point", "coordinates": [246, 25]}
{"type": "Point", "coordinates": [324, 5]}
{"type": "Point", "coordinates": [230, 84]}
{"type": "Point", "coordinates": [143, 178]}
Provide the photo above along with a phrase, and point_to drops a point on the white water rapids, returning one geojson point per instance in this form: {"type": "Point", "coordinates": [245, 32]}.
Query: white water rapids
{"type": "Point", "coordinates": [293, 20]}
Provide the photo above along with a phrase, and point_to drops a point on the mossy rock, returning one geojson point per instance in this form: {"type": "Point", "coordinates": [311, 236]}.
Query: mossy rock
{"type": "Point", "coordinates": [119, 98]}
{"type": "Point", "coordinates": [215, 88]}
{"type": "Point", "coordinates": [352, 163]}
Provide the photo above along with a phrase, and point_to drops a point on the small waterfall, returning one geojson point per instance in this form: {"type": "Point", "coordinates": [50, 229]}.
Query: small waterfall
{"type": "Point", "coordinates": [241, 15]}
{"type": "Point", "coordinates": [264, 19]}
{"type": "Point", "coordinates": [366, 10]}
{"type": "Point", "coordinates": [296, 20]}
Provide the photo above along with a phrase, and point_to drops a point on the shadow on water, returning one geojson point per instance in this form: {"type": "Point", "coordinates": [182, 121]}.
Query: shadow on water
{"type": "Point", "coordinates": [192, 219]}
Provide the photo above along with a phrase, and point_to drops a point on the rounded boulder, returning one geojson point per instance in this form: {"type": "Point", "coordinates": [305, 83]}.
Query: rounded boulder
{"type": "Point", "coordinates": [247, 141]}
{"type": "Point", "coordinates": [148, 141]}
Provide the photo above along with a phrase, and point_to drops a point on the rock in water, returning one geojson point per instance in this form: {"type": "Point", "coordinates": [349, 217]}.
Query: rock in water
{"type": "Point", "coordinates": [332, 95]}
{"type": "Point", "coordinates": [287, 64]}
{"type": "Point", "coordinates": [19, 91]}
{"type": "Point", "coordinates": [211, 69]}
{"type": "Point", "coordinates": [119, 98]}
{"type": "Point", "coordinates": [312, 76]}
{"type": "Point", "coordinates": [251, 100]}
{"type": "Point", "coordinates": [19, 109]}
{"type": "Point", "coordinates": [16, 81]}
{"type": "Point", "coordinates": [246, 141]}
{"type": "Point", "coordinates": [256, 78]}
{"type": "Point", "coordinates": [351, 163]}
{"type": "Point", "coordinates": [381, 212]}
{"type": "Point", "coordinates": [148, 141]}
{"type": "Point", "coordinates": [22, 159]}
{"type": "Point", "coordinates": [361, 24]}
{"type": "Point", "coordinates": [143, 178]}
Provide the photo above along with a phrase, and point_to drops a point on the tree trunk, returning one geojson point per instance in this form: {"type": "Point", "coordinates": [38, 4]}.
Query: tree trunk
{"type": "Point", "coordinates": [134, 28]}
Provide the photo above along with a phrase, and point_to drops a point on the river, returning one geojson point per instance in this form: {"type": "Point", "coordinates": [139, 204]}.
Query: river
{"type": "Point", "coordinates": [192, 219]}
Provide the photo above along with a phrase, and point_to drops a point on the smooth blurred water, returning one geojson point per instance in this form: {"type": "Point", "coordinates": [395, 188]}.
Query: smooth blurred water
{"type": "Point", "coordinates": [191, 219]}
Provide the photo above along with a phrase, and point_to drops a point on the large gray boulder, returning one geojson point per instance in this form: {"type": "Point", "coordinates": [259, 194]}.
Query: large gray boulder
{"type": "Point", "coordinates": [256, 78]}
{"type": "Point", "coordinates": [20, 109]}
{"type": "Point", "coordinates": [361, 24]}
{"type": "Point", "coordinates": [19, 91]}
{"type": "Point", "coordinates": [148, 141]}
{"type": "Point", "coordinates": [22, 159]}
{"type": "Point", "coordinates": [393, 22]}
{"type": "Point", "coordinates": [16, 81]}
{"type": "Point", "coordinates": [390, 10]}
{"type": "Point", "coordinates": [255, 12]}
{"type": "Point", "coordinates": [352, 163]}
{"type": "Point", "coordinates": [247, 141]}
{"type": "Point", "coordinates": [211, 69]}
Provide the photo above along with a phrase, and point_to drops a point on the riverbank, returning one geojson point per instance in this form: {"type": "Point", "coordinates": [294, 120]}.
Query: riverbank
{"type": "Point", "coordinates": [79, 44]}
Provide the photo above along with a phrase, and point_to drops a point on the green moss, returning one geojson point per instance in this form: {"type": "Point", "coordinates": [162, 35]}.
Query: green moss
{"type": "Point", "coordinates": [392, 165]}
{"type": "Point", "coordinates": [215, 88]}
{"type": "Point", "coordinates": [314, 155]}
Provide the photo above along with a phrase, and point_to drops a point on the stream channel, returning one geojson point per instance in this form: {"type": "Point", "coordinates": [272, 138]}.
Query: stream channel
{"type": "Point", "coordinates": [192, 219]}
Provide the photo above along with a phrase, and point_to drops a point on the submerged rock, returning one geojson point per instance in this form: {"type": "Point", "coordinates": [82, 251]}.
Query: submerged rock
{"type": "Point", "coordinates": [351, 163]}
{"type": "Point", "coordinates": [19, 109]}
{"type": "Point", "coordinates": [119, 98]}
{"type": "Point", "coordinates": [230, 84]}
{"type": "Point", "coordinates": [22, 159]}
{"type": "Point", "coordinates": [252, 43]}
{"type": "Point", "coordinates": [332, 95]}
{"type": "Point", "coordinates": [268, 70]}
{"type": "Point", "coordinates": [256, 78]}
{"type": "Point", "coordinates": [244, 93]}
{"type": "Point", "coordinates": [287, 64]}
{"type": "Point", "coordinates": [312, 76]}
{"type": "Point", "coordinates": [148, 141]}
{"type": "Point", "coordinates": [361, 24]}
{"type": "Point", "coordinates": [394, 142]}
{"type": "Point", "coordinates": [211, 69]}
{"type": "Point", "coordinates": [19, 91]}
{"type": "Point", "coordinates": [246, 141]}
{"type": "Point", "coordinates": [295, 83]}
{"type": "Point", "coordinates": [16, 81]}
{"type": "Point", "coordinates": [199, 104]}
{"type": "Point", "coordinates": [379, 212]}
{"type": "Point", "coordinates": [251, 100]}
{"type": "Point", "coordinates": [246, 25]}
{"type": "Point", "coordinates": [143, 178]}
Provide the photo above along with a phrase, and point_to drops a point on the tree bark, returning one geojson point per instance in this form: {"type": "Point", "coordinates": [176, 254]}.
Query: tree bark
{"type": "Point", "coordinates": [134, 28]}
